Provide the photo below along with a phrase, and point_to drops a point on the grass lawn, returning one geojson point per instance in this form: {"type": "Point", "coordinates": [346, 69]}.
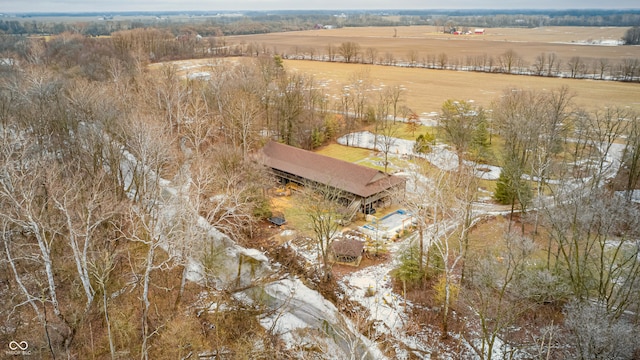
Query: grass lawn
{"type": "Point", "coordinates": [402, 131]}
{"type": "Point", "coordinates": [364, 157]}
{"type": "Point", "coordinates": [291, 207]}
{"type": "Point", "coordinates": [489, 236]}
{"type": "Point", "coordinates": [428, 89]}
{"type": "Point", "coordinates": [295, 215]}
{"type": "Point", "coordinates": [345, 153]}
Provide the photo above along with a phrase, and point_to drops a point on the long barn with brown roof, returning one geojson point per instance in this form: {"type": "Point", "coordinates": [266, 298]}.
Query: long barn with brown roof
{"type": "Point", "coordinates": [359, 183]}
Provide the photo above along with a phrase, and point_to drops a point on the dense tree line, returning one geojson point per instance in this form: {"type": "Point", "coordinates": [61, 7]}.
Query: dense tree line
{"type": "Point", "coordinates": [253, 22]}
{"type": "Point", "coordinates": [575, 248]}
{"type": "Point", "coordinates": [508, 62]}
{"type": "Point", "coordinates": [89, 268]}
{"type": "Point", "coordinates": [632, 36]}
{"type": "Point", "coordinates": [90, 139]}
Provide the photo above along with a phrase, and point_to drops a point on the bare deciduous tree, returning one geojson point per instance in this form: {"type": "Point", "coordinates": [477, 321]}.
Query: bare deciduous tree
{"type": "Point", "coordinates": [489, 291]}
{"type": "Point", "coordinates": [371, 55]}
{"type": "Point", "coordinates": [509, 61]}
{"type": "Point", "coordinates": [331, 52]}
{"type": "Point", "coordinates": [460, 121]}
{"type": "Point", "coordinates": [595, 334]}
{"type": "Point", "coordinates": [594, 236]}
{"type": "Point", "coordinates": [450, 199]}
{"type": "Point", "coordinates": [631, 154]}
{"type": "Point", "coordinates": [323, 212]}
{"type": "Point", "coordinates": [349, 51]}
{"type": "Point", "coordinates": [148, 229]}
{"type": "Point", "coordinates": [387, 140]}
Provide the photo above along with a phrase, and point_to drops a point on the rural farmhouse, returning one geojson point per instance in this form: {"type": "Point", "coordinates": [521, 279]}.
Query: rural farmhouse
{"type": "Point", "coordinates": [363, 188]}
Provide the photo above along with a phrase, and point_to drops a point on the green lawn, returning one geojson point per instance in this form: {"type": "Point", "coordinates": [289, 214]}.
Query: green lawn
{"type": "Point", "coordinates": [345, 153]}
{"type": "Point", "coordinates": [295, 215]}
{"type": "Point", "coordinates": [403, 131]}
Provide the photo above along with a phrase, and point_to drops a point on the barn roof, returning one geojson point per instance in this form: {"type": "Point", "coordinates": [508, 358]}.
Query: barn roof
{"type": "Point", "coordinates": [355, 179]}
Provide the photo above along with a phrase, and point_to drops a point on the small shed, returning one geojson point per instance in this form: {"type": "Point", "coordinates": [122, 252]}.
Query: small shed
{"type": "Point", "coordinates": [348, 251]}
{"type": "Point", "coordinates": [277, 220]}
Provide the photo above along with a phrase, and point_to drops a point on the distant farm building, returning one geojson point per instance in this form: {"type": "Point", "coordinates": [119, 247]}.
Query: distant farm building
{"type": "Point", "coordinates": [362, 188]}
{"type": "Point", "coordinates": [478, 31]}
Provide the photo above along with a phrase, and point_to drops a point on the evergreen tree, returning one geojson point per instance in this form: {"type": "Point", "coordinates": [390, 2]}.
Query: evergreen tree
{"type": "Point", "coordinates": [423, 143]}
{"type": "Point", "coordinates": [480, 142]}
{"type": "Point", "coordinates": [408, 269]}
{"type": "Point", "coordinates": [504, 193]}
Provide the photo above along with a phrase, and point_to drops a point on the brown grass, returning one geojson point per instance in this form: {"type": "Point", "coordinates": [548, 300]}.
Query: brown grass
{"type": "Point", "coordinates": [427, 89]}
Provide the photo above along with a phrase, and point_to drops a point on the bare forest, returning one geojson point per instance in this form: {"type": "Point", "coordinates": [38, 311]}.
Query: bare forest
{"type": "Point", "coordinates": [134, 204]}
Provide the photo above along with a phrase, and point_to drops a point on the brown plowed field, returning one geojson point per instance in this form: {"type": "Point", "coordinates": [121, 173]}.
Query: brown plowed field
{"type": "Point", "coordinates": [566, 42]}
{"type": "Point", "coordinates": [427, 89]}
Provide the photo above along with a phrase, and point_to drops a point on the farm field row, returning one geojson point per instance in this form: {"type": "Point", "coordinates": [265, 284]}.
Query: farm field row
{"type": "Point", "coordinates": [427, 89]}
{"type": "Point", "coordinates": [565, 42]}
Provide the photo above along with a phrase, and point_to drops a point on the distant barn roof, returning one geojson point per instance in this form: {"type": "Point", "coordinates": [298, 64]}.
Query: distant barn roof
{"type": "Point", "coordinates": [356, 179]}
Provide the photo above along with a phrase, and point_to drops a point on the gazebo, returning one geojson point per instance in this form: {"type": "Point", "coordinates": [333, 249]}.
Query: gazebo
{"type": "Point", "coordinates": [348, 251]}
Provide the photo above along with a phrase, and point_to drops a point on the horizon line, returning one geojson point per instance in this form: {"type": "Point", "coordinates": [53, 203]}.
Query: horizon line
{"type": "Point", "coordinates": [314, 10]}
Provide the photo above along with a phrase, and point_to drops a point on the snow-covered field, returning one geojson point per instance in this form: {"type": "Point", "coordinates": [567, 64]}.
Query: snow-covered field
{"type": "Point", "coordinates": [600, 42]}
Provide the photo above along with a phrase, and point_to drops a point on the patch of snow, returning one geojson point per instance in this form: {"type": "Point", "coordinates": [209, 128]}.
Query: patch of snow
{"type": "Point", "coordinates": [300, 314]}
{"type": "Point", "coordinates": [307, 248]}
{"type": "Point", "coordinates": [440, 156]}
{"type": "Point", "coordinates": [385, 307]}
{"type": "Point", "coordinates": [600, 42]}
{"type": "Point", "coordinates": [199, 75]}
{"type": "Point", "coordinates": [484, 171]}
{"type": "Point", "coordinates": [635, 195]}
{"type": "Point", "coordinates": [372, 288]}
{"type": "Point", "coordinates": [254, 254]}
{"type": "Point", "coordinates": [304, 306]}
{"type": "Point", "coordinates": [288, 232]}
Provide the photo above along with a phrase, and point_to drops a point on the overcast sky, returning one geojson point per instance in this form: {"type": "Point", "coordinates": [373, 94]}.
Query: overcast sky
{"type": "Point", "coordinates": [8, 6]}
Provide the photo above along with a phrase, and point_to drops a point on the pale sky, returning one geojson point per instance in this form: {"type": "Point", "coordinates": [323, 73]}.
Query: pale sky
{"type": "Point", "coordinates": [9, 6]}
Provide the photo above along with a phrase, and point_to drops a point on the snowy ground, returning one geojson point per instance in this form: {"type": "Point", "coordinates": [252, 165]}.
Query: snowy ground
{"type": "Point", "coordinates": [600, 42]}
{"type": "Point", "coordinates": [440, 156]}
{"type": "Point", "coordinates": [302, 317]}
{"type": "Point", "coordinates": [635, 195]}
{"type": "Point", "coordinates": [372, 288]}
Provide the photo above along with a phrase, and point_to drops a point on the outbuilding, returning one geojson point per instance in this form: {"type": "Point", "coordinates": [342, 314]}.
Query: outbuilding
{"type": "Point", "coordinates": [348, 251]}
